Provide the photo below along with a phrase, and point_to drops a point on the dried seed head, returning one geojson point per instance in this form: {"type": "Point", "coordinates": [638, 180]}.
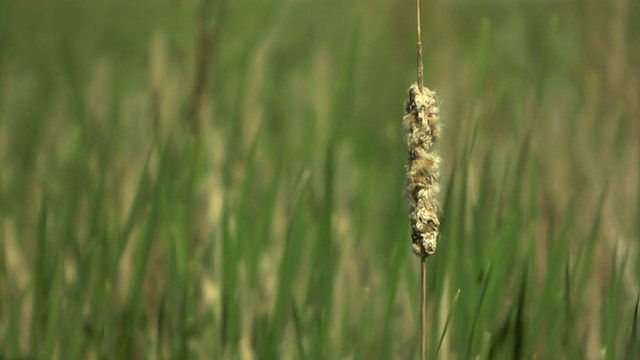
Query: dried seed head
{"type": "Point", "coordinates": [422, 130]}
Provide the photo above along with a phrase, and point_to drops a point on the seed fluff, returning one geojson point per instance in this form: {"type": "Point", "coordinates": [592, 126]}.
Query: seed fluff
{"type": "Point", "coordinates": [422, 130]}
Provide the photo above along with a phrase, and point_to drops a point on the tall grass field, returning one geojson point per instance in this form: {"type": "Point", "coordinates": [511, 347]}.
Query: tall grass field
{"type": "Point", "coordinates": [217, 179]}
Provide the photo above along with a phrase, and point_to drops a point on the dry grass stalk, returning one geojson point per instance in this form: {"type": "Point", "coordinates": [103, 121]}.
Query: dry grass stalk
{"type": "Point", "coordinates": [422, 129]}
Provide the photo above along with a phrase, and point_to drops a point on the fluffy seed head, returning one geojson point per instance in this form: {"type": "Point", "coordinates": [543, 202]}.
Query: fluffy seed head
{"type": "Point", "coordinates": [422, 130]}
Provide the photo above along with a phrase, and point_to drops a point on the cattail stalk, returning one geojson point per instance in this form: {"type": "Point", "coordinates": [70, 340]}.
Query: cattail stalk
{"type": "Point", "coordinates": [422, 129]}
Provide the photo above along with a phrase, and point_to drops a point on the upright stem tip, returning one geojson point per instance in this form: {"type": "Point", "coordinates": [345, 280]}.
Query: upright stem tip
{"type": "Point", "coordinates": [419, 48]}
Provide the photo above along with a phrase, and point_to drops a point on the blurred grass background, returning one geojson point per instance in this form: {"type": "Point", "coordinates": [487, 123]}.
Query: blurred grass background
{"type": "Point", "coordinates": [224, 179]}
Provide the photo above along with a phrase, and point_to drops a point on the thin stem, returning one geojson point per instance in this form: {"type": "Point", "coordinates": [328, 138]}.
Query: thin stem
{"type": "Point", "coordinates": [423, 308]}
{"type": "Point", "coordinates": [419, 49]}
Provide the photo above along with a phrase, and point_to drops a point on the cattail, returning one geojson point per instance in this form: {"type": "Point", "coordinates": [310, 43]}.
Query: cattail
{"type": "Point", "coordinates": [422, 130]}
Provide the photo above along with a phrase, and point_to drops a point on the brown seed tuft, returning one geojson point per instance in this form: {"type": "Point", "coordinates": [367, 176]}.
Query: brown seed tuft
{"type": "Point", "coordinates": [422, 130]}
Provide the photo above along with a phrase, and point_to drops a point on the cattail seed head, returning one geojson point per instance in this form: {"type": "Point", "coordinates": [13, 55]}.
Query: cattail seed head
{"type": "Point", "coordinates": [422, 130]}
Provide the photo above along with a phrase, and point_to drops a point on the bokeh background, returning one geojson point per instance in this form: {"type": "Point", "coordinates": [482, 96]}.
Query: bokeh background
{"type": "Point", "coordinates": [224, 179]}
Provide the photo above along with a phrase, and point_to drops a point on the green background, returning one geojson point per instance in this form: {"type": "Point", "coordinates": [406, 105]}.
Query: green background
{"type": "Point", "coordinates": [225, 179]}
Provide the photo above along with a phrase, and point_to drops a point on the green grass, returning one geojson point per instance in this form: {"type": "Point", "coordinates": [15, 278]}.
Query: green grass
{"type": "Point", "coordinates": [224, 179]}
